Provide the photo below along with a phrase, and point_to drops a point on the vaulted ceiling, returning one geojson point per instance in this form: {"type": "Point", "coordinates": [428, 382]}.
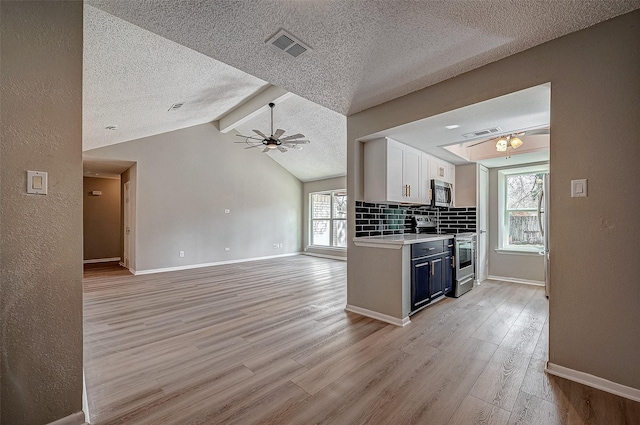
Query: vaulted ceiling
{"type": "Point", "coordinates": [142, 57]}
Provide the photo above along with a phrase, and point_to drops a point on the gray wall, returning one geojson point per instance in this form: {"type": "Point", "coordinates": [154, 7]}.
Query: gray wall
{"type": "Point", "coordinates": [41, 239]}
{"type": "Point", "coordinates": [185, 179]}
{"type": "Point", "coordinates": [594, 100]}
{"type": "Point", "coordinates": [101, 218]}
{"type": "Point", "coordinates": [527, 266]}
{"type": "Point", "coordinates": [319, 186]}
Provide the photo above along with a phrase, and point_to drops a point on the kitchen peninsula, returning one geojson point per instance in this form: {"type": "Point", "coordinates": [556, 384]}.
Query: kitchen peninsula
{"type": "Point", "coordinates": [385, 291]}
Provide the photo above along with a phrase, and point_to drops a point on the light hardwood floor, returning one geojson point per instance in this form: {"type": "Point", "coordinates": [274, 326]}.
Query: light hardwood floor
{"type": "Point", "coordinates": [269, 342]}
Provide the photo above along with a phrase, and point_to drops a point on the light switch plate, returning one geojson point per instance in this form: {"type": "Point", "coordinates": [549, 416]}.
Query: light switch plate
{"type": "Point", "coordinates": [37, 182]}
{"type": "Point", "coordinates": [579, 188]}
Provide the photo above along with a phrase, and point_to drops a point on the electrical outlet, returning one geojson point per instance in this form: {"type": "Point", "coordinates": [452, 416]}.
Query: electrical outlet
{"type": "Point", "coordinates": [181, 254]}
{"type": "Point", "coordinates": [275, 245]}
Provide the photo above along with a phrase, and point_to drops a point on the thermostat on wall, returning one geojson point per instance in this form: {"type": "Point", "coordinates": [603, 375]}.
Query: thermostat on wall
{"type": "Point", "coordinates": [96, 192]}
{"type": "Point", "coordinates": [37, 182]}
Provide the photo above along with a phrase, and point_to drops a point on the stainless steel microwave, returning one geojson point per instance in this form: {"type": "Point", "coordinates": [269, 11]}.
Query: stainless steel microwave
{"type": "Point", "coordinates": [441, 194]}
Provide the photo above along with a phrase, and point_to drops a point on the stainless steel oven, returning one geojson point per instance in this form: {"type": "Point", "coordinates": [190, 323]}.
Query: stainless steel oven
{"type": "Point", "coordinates": [465, 261]}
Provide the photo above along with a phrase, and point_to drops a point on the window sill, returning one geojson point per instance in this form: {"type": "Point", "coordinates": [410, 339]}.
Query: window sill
{"type": "Point", "coordinates": [519, 251]}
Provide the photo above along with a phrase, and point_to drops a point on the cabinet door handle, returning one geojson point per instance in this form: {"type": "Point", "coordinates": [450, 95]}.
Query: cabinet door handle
{"type": "Point", "coordinates": [453, 261]}
{"type": "Point", "coordinates": [432, 248]}
{"type": "Point", "coordinates": [432, 267]}
{"type": "Point", "coordinates": [409, 190]}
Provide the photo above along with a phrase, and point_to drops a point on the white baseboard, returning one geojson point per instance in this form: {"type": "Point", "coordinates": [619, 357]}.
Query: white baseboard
{"type": "Point", "coordinates": [217, 263]}
{"type": "Point", "coordinates": [593, 381]}
{"type": "Point", "coordinates": [332, 257]}
{"type": "Point", "coordinates": [73, 419]}
{"type": "Point", "coordinates": [516, 280]}
{"type": "Point", "coordinates": [378, 316]}
{"type": "Point", "coordinates": [101, 260]}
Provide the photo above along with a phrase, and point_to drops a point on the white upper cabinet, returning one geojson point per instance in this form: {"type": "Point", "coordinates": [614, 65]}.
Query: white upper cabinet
{"type": "Point", "coordinates": [395, 172]}
{"type": "Point", "coordinates": [442, 170]}
{"type": "Point", "coordinates": [391, 172]}
{"type": "Point", "coordinates": [425, 178]}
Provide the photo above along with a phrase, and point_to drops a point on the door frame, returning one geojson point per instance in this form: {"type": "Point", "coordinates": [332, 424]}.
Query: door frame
{"type": "Point", "coordinates": [482, 201]}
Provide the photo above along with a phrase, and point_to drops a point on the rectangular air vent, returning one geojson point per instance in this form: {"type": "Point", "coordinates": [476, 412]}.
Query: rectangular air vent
{"type": "Point", "coordinates": [480, 133]}
{"type": "Point", "coordinates": [287, 43]}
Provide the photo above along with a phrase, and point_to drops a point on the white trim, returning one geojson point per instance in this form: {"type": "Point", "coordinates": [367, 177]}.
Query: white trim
{"type": "Point", "coordinates": [516, 280]}
{"type": "Point", "coordinates": [73, 419]}
{"type": "Point", "coordinates": [593, 381]}
{"type": "Point", "coordinates": [217, 263]}
{"type": "Point", "coordinates": [101, 260]}
{"type": "Point", "coordinates": [85, 400]}
{"type": "Point", "coordinates": [378, 316]}
{"type": "Point", "coordinates": [332, 257]}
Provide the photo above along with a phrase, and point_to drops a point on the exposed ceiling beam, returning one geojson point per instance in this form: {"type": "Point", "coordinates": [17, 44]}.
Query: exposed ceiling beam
{"type": "Point", "coordinates": [251, 108]}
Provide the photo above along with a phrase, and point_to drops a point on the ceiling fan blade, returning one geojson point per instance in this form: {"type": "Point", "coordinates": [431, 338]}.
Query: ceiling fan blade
{"type": "Point", "coordinates": [296, 142]}
{"type": "Point", "coordinates": [282, 149]}
{"type": "Point", "coordinates": [265, 150]}
{"type": "Point", "coordinates": [279, 132]}
{"type": "Point", "coordinates": [252, 146]}
{"type": "Point", "coordinates": [260, 133]}
{"type": "Point", "coordinates": [484, 141]}
{"type": "Point", "coordinates": [297, 147]}
{"type": "Point", "coordinates": [294, 136]}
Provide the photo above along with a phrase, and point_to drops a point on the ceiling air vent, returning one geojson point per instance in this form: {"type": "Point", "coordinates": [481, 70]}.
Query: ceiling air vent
{"type": "Point", "coordinates": [175, 106]}
{"type": "Point", "coordinates": [288, 43]}
{"type": "Point", "coordinates": [485, 132]}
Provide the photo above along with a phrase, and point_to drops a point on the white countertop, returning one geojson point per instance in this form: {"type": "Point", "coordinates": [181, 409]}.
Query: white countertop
{"type": "Point", "coordinates": [397, 241]}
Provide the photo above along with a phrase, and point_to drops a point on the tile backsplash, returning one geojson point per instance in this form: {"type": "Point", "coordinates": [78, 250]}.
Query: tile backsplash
{"type": "Point", "coordinates": [389, 219]}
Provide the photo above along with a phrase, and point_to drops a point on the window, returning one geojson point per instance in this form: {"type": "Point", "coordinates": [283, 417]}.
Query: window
{"type": "Point", "coordinates": [519, 192]}
{"type": "Point", "coordinates": [329, 218]}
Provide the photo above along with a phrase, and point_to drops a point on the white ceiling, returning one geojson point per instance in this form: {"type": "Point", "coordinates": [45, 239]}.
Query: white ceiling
{"type": "Point", "coordinates": [524, 109]}
{"type": "Point", "coordinates": [212, 56]}
{"type": "Point", "coordinates": [324, 157]}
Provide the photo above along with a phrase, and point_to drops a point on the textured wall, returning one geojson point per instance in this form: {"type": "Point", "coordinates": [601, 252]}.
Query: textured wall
{"type": "Point", "coordinates": [594, 134]}
{"type": "Point", "coordinates": [185, 179]}
{"type": "Point", "coordinates": [41, 240]}
{"type": "Point", "coordinates": [101, 218]}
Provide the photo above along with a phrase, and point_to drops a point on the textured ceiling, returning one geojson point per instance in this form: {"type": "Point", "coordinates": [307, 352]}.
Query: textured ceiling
{"type": "Point", "coordinates": [365, 52]}
{"type": "Point", "coordinates": [324, 157]}
{"type": "Point", "coordinates": [132, 77]}
{"type": "Point", "coordinates": [141, 56]}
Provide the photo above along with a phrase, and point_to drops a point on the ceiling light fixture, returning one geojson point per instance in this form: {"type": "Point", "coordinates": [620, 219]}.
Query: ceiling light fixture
{"type": "Point", "coordinates": [509, 141]}
{"type": "Point", "coordinates": [451, 127]}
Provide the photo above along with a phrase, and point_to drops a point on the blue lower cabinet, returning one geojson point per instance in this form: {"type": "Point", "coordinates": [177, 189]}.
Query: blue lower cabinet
{"type": "Point", "coordinates": [432, 274]}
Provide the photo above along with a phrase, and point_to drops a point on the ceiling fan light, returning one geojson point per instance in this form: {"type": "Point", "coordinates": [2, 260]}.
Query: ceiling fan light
{"type": "Point", "coordinates": [515, 142]}
{"type": "Point", "coordinates": [501, 144]}
{"type": "Point", "coordinates": [272, 146]}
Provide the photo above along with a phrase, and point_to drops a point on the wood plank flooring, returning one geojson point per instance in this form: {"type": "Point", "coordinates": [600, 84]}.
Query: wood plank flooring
{"type": "Point", "coordinates": [269, 342]}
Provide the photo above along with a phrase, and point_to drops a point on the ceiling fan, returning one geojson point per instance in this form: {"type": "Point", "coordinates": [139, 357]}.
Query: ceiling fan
{"type": "Point", "coordinates": [275, 141]}
{"type": "Point", "coordinates": [511, 140]}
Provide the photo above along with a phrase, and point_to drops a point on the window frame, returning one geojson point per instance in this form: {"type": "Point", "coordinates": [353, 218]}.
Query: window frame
{"type": "Point", "coordinates": [331, 219]}
{"type": "Point", "coordinates": [503, 212]}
